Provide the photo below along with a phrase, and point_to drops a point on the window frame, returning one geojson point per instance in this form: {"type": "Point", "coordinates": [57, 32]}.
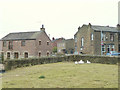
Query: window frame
{"type": "Point", "coordinates": [92, 36]}
{"type": "Point", "coordinates": [82, 41]}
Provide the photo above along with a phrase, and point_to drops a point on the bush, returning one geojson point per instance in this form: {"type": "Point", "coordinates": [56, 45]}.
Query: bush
{"type": "Point", "coordinates": [41, 77]}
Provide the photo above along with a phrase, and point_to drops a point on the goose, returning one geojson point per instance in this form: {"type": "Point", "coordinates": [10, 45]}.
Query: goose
{"type": "Point", "coordinates": [81, 62]}
{"type": "Point", "coordinates": [88, 62]}
{"type": "Point", "coordinates": [76, 62]}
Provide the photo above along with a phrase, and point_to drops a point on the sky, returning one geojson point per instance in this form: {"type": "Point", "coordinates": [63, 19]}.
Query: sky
{"type": "Point", "coordinates": [61, 18]}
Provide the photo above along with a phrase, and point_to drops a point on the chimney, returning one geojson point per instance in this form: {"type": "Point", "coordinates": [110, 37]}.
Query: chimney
{"type": "Point", "coordinates": [42, 29]}
{"type": "Point", "coordinates": [53, 38]}
{"type": "Point", "coordinates": [79, 28]}
{"type": "Point", "coordinates": [118, 26]}
{"type": "Point", "coordinates": [90, 25]}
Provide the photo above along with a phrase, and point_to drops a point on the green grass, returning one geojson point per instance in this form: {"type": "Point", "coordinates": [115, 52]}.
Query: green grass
{"type": "Point", "coordinates": [62, 75]}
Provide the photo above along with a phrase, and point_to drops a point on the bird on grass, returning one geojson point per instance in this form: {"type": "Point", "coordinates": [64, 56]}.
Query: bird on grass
{"type": "Point", "coordinates": [76, 62]}
{"type": "Point", "coordinates": [88, 62]}
{"type": "Point", "coordinates": [81, 62]}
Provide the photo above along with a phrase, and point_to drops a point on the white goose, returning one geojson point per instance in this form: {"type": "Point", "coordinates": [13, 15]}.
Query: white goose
{"type": "Point", "coordinates": [76, 62]}
{"type": "Point", "coordinates": [88, 62]}
{"type": "Point", "coordinates": [81, 62]}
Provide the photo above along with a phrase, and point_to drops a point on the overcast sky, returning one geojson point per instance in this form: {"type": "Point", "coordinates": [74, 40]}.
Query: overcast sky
{"type": "Point", "coordinates": [61, 18]}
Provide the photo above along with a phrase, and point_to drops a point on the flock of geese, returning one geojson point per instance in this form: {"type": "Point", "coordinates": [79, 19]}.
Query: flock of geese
{"type": "Point", "coordinates": [82, 62]}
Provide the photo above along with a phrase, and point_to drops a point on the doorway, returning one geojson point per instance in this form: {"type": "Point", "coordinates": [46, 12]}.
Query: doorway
{"type": "Point", "coordinates": [26, 55]}
{"type": "Point", "coordinates": [16, 55]}
{"type": "Point", "coordinates": [8, 55]}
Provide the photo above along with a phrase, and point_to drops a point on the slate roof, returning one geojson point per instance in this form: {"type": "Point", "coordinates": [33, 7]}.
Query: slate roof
{"type": "Point", "coordinates": [22, 36]}
{"type": "Point", "coordinates": [105, 28]}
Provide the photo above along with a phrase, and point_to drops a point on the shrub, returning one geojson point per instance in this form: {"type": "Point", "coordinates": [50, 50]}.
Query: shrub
{"type": "Point", "coordinates": [41, 77]}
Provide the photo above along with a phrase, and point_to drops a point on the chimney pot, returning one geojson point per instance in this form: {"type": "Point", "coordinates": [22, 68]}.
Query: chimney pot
{"type": "Point", "coordinates": [43, 29]}
{"type": "Point", "coordinates": [118, 26]}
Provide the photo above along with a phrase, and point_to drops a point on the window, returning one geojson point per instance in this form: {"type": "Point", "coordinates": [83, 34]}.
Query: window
{"type": "Point", "coordinates": [47, 53]}
{"type": "Point", "coordinates": [16, 55]}
{"type": "Point", "coordinates": [4, 43]}
{"type": "Point", "coordinates": [113, 48]}
{"type": "Point", "coordinates": [22, 43]}
{"type": "Point", "coordinates": [47, 43]}
{"type": "Point", "coordinates": [10, 45]}
{"type": "Point", "coordinates": [8, 55]}
{"type": "Point", "coordinates": [104, 37]}
{"type": "Point", "coordinates": [119, 47]}
{"type": "Point", "coordinates": [111, 37]}
{"type": "Point", "coordinates": [39, 54]}
{"type": "Point", "coordinates": [26, 55]}
{"type": "Point", "coordinates": [82, 42]}
{"type": "Point", "coordinates": [92, 36]}
{"type": "Point", "coordinates": [75, 39]}
{"type": "Point", "coordinates": [39, 42]}
{"type": "Point", "coordinates": [103, 48]}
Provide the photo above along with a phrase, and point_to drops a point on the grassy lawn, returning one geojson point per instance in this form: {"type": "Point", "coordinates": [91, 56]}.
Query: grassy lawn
{"type": "Point", "coordinates": [62, 75]}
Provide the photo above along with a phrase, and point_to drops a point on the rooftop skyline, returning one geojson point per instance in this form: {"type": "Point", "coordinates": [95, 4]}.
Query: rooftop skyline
{"type": "Point", "coordinates": [61, 18]}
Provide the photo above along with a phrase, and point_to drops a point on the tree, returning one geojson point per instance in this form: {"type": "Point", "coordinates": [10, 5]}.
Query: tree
{"type": "Point", "coordinates": [55, 50]}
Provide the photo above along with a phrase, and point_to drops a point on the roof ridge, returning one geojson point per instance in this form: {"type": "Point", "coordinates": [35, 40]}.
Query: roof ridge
{"type": "Point", "coordinates": [104, 26]}
{"type": "Point", "coordinates": [24, 32]}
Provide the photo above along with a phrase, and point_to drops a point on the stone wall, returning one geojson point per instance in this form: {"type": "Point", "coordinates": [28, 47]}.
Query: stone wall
{"type": "Point", "coordinates": [12, 64]}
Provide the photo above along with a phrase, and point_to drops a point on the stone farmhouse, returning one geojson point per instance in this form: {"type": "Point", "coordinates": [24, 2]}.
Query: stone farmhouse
{"type": "Point", "coordinates": [97, 40]}
{"type": "Point", "coordinates": [26, 44]}
{"type": "Point", "coordinates": [65, 46]}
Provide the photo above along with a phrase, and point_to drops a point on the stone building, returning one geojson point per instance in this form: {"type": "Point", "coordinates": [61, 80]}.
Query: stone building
{"type": "Point", "coordinates": [26, 44]}
{"type": "Point", "coordinates": [54, 43]}
{"type": "Point", "coordinates": [65, 46]}
{"type": "Point", "coordinates": [97, 40]}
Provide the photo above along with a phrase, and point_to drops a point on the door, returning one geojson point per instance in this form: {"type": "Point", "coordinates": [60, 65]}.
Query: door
{"type": "Point", "coordinates": [47, 53]}
{"type": "Point", "coordinates": [26, 55]}
{"type": "Point", "coordinates": [8, 55]}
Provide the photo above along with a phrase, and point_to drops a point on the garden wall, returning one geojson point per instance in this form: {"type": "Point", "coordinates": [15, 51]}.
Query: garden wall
{"type": "Point", "coordinates": [12, 64]}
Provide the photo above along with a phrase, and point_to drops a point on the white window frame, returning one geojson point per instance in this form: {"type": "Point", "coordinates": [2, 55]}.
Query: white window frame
{"type": "Point", "coordinates": [82, 42]}
{"type": "Point", "coordinates": [92, 37]}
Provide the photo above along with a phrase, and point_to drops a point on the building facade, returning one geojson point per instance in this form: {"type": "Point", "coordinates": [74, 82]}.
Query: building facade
{"type": "Point", "coordinates": [55, 41]}
{"type": "Point", "coordinates": [26, 44]}
{"type": "Point", "coordinates": [65, 46]}
{"type": "Point", "coordinates": [97, 40]}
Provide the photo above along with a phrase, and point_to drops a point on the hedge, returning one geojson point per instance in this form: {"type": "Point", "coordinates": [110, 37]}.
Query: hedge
{"type": "Point", "coordinates": [12, 64]}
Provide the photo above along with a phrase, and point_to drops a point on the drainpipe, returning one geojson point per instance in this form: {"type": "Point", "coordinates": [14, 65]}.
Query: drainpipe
{"type": "Point", "coordinates": [101, 42]}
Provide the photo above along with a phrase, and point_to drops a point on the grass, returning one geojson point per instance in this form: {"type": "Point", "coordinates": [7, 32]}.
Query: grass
{"type": "Point", "coordinates": [62, 75]}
